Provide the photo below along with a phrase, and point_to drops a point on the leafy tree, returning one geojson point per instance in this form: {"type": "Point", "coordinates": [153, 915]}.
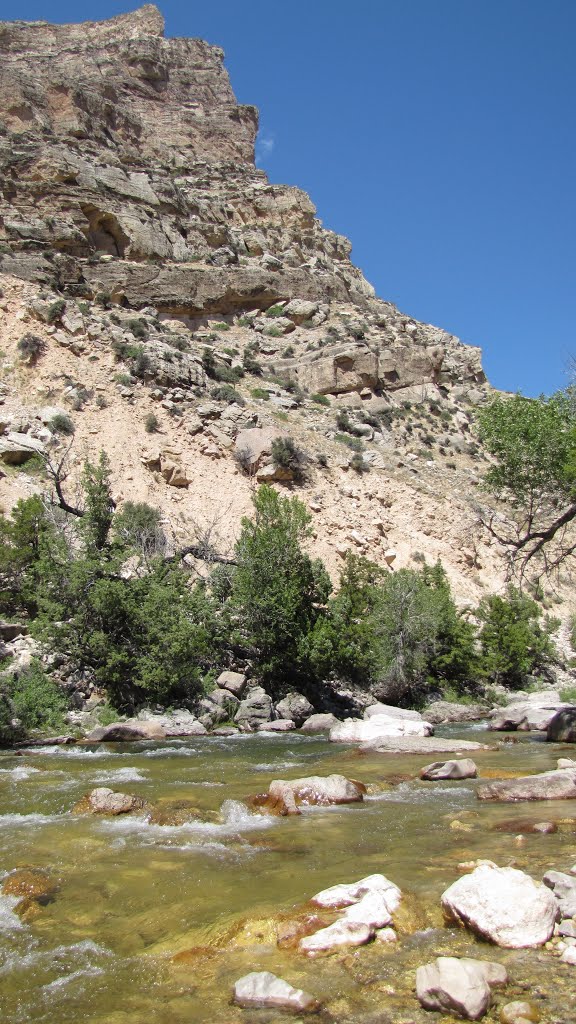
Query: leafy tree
{"type": "Point", "coordinates": [515, 642]}
{"type": "Point", "coordinates": [30, 548]}
{"type": "Point", "coordinates": [454, 660]}
{"type": "Point", "coordinates": [278, 590]}
{"type": "Point", "coordinates": [344, 641]}
{"type": "Point", "coordinates": [99, 506]}
{"type": "Point", "coordinates": [534, 444]}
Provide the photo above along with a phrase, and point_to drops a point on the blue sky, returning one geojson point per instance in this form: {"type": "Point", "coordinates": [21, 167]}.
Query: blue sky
{"type": "Point", "coordinates": [436, 134]}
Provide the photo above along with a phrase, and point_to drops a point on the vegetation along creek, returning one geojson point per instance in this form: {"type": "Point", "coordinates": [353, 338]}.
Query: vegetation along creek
{"type": "Point", "coordinates": [287, 625]}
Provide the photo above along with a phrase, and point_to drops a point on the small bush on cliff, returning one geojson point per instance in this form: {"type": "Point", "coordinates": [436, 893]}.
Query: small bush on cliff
{"type": "Point", "coordinates": [31, 347]}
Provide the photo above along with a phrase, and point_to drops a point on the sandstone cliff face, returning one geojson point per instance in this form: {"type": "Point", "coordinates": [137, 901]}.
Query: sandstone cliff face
{"type": "Point", "coordinates": [136, 234]}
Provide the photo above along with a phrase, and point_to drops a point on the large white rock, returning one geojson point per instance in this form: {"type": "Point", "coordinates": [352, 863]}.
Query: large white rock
{"type": "Point", "coordinates": [346, 895]}
{"type": "Point", "coordinates": [404, 714]}
{"type": "Point", "coordinates": [460, 768]}
{"type": "Point", "coordinates": [503, 905]}
{"type": "Point", "coordinates": [372, 910]}
{"type": "Point", "coordinates": [263, 989]}
{"type": "Point", "coordinates": [460, 986]}
{"type": "Point", "coordinates": [378, 727]}
{"type": "Point", "coordinates": [341, 933]}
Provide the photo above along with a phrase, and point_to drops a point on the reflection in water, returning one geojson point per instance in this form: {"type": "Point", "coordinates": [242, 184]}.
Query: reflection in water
{"type": "Point", "coordinates": [158, 920]}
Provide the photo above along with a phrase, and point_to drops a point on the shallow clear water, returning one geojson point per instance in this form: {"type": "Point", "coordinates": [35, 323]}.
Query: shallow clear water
{"type": "Point", "coordinates": [134, 895]}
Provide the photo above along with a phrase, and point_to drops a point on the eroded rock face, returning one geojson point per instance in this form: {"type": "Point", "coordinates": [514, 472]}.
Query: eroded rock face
{"type": "Point", "coordinates": [502, 905]}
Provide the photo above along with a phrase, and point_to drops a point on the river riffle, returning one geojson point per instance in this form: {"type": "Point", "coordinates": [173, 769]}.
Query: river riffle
{"type": "Point", "coordinates": [156, 922]}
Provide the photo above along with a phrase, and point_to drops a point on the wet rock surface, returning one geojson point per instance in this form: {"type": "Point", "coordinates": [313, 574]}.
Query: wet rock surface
{"type": "Point", "coordinates": [503, 905]}
{"type": "Point", "coordinates": [459, 986]}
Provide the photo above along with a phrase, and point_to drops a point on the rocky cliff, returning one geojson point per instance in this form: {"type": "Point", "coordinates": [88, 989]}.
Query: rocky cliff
{"type": "Point", "coordinates": [165, 277]}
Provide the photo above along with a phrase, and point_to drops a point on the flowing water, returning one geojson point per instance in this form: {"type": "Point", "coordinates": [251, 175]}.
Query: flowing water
{"type": "Point", "coordinates": [154, 922]}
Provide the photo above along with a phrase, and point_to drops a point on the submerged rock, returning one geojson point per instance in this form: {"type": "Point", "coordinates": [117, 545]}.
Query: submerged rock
{"type": "Point", "coordinates": [519, 1012]}
{"type": "Point", "coordinates": [459, 986]}
{"type": "Point", "coordinates": [263, 989]}
{"type": "Point", "coordinates": [286, 797]}
{"type": "Point", "coordinates": [105, 801]}
{"type": "Point", "coordinates": [555, 785]}
{"type": "Point", "coordinates": [503, 905]}
{"type": "Point", "coordinates": [31, 884]}
{"type": "Point", "coordinates": [463, 768]}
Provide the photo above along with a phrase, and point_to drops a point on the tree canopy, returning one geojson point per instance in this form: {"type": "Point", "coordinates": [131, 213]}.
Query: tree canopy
{"type": "Point", "coordinates": [533, 442]}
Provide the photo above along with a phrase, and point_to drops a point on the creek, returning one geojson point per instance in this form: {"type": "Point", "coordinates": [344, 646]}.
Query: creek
{"type": "Point", "coordinates": [156, 922]}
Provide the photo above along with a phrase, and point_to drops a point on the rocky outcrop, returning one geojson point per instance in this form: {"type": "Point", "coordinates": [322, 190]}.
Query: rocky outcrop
{"type": "Point", "coordinates": [503, 905]}
{"type": "Point", "coordinates": [555, 785]}
{"type": "Point", "coordinates": [296, 707]}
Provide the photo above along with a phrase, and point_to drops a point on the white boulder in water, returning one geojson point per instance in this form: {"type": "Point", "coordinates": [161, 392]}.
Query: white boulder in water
{"type": "Point", "coordinates": [263, 989]}
{"type": "Point", "coordinates": [503, 905]}
{"type": "Point", "coordinates": [347, 894]}
{"type": "Point", "coordinates": [459, 986]}
{"type": "Point", "coordinates": [341, 933]}
{"type": "Point", "coordinates": [378, 727]}
{"type": "Point", "coordinates": [459, 768]}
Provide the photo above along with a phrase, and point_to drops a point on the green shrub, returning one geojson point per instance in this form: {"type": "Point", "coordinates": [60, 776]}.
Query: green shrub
{"type": "Point", "coordinates": [228, 374]}
{"type": "Point", "coordinates": [320, 399]}
{"type": "Point", "coordinates": [31, 347]}
{"type": "Point", "coordinates": [139, 328]}
{"type": "Point", "coordinates": [288, 352]}
{"type": "Point", "coordinates": [124, 379]}
{"type": "Point", "coordinates": [515, 638]}
{"type": "Point", "coordinates": [568, 694]}
{"type": "Point", "coordinates": [151, 423]}
{"type": "Point", "coordinates": [55, 310]}
{"type": "Point", "coordinates": [61, 423]}
{"type": "Point", "coordinates": [358, 464]}
{"type": "Point", "coordinates": [260, 393]}
{"type": "Point", "coordinates": [221, 326]}
{"type": "Point", "coordinates": [36, 700]}
{"type": "Point", "coordinates": [101, 402]}
{"type": "Point", "coordinates": [286, 455]}
{"type": "Point", "coordinates": [227, 393]}
{"type": "Point", "coordinates": [355, 443]}
{"type": "Point", "coordinates": [275, 311]}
